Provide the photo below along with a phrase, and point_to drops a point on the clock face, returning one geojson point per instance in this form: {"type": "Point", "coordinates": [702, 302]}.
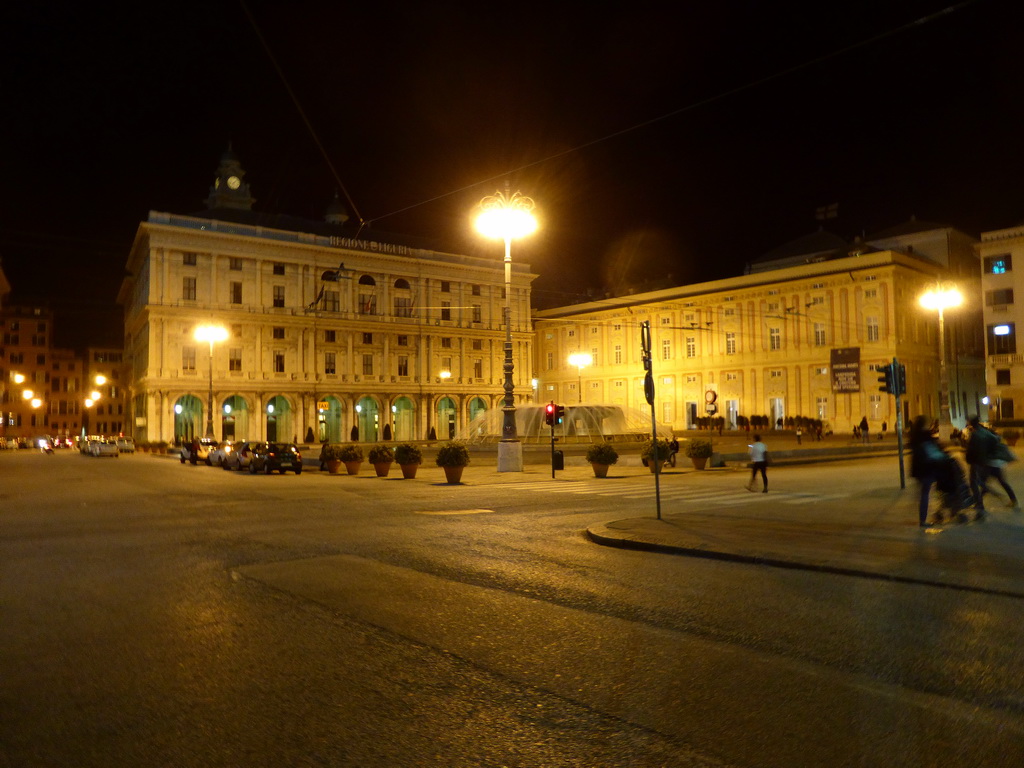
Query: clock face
{"type": "Point", "coordinates": [234, 182]}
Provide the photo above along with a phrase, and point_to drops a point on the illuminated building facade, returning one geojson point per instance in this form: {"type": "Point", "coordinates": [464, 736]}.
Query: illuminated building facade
{"type": "Point", "coordinates": [1002, 277]}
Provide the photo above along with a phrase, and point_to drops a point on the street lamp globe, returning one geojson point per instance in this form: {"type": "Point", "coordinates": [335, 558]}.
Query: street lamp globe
{"type": "Point", "coordinates": [507, 216]}
{"type": "Point", "coordinates": [940, 298]}
{"type": "Point", "coordinates": [211, 334]}
{"type": "Point", "coordinates": [581, 360]}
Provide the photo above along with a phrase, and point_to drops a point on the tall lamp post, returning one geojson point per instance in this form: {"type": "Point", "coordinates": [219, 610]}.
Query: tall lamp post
{"type": "Point", "coordinates": [941, 298]}
{"type": "Point", "coordinates": [581, 360]}
{"type": "Point", "coordinates": [505, 216]}
{"type": "Point", "coordinates": [210, 333]}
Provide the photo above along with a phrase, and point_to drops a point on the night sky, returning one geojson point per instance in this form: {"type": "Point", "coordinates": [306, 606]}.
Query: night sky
{"type": "Point", "coordinates": [683, 139]}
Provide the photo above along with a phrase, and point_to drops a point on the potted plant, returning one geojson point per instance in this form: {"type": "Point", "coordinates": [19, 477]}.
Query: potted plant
{"type": "Point", "coordinates": [1011, 436]}
{"type": "Point", "coordinates": [647, 454]}
{"type": "Point", "coordinates": [699, 450]}
{"type": "Point", "coordinates": [452, 457]}
{"type": "Point", "coordinates": [409, 459]}
{"type": "Point", "coordinates": [330, 457]}
{"type": "Point", "coordinates": [160, 447]}
{"type": "Point", "coordinates": [352, 457]}
{"type": "Point", "coordinates": [382, 457]}
{"type": "Point", "coordinates": [601, 456]}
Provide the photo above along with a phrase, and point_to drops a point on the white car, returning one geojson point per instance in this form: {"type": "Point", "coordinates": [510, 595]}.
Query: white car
{"type": "Point", "coordinates": [103, 448]}
{"type": "Point", "coordinates": [126, 444]}
{"type": "Point", "coordinates": [219, 455]}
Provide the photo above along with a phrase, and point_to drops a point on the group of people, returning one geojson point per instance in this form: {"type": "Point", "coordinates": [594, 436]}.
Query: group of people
{"type": "Point", "coordinates": [986, 455]}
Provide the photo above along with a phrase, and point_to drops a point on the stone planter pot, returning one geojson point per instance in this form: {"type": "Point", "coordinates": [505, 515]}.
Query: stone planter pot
{"type": "Point", "coordinates": [453, 474]}
{"type": "Point", "coordinates": [333, 466]}
{"type": "Point", "coordinates": [699, 462]}
{"type": "Point", "coordinates": [352, 467]}
{"type": "Point", "coordinates": [382, 468]}
{"type": "Point", "coordinates": [409, 470]}
{"type": "Point", "coordinates": [600, 470]}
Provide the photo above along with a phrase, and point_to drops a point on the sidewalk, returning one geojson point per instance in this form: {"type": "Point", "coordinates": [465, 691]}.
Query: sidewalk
{"type": "Point", "coordinates": [884, 544]}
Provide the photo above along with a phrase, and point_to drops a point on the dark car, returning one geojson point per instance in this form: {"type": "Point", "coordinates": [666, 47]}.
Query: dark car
{"type": "Point", "coordinates": [267, 457]}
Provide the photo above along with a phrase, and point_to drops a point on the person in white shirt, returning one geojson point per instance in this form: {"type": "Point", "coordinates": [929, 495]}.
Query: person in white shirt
{"type": "Point", "coordinates": [758, 463]}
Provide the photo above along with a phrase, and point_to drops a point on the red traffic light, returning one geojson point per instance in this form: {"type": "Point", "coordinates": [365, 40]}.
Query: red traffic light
{"type": "Point", "coordinates": [549, 414]}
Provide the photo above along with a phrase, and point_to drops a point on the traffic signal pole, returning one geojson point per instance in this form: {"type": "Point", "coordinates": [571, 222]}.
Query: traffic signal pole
{"type": "Point", "coordinates": [894, 382]}
{"type": "Point", "coordinates": [645, 344]}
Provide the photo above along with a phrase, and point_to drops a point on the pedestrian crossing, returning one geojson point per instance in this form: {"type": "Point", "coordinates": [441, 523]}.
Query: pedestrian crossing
{"type": "Point", "coordinates": [706, 497]}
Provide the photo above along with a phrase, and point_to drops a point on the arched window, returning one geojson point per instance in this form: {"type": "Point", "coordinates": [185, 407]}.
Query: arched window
{"type": "Point", "coordinates": [367, 280]}
{"type": "Point", "coordinates": [402, 283]}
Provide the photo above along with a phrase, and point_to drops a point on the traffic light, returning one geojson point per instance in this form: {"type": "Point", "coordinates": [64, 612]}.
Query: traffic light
{"type": "Point", "coordinates": [886, 379]}
{"type": "Point", "coordinates": [549, 414]}
{"type": "Point", "coordinates": [559, 414]}
{"type": "Point", "coordinates": [900, 379]}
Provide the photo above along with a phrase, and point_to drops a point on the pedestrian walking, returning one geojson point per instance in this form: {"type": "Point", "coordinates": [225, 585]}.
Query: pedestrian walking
{"type": "Point", "coordinates": [925, 461]}
{"type": "Point", "coordinates": [758, 463]}
{"type": "Point", "coordinates": [986, 456]}
{"type": "Point", "coordinates": [864, 429]}
{"type": "Point", "coordinates": [885, 426]}
{"type": "Point", "coordinates": [799, 434]}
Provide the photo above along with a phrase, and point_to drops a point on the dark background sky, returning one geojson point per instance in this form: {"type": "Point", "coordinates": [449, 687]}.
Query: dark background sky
{"type": "Point", "coordinates": [685, 138]}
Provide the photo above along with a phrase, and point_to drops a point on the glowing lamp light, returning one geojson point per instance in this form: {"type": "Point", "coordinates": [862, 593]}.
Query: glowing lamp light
{"type": "Point", "coordinates": [270, 407]}
{"type": "Point", "coordinates": [359, 409]}
{"type": "Point", "coordinates": [88, 403]}
{"type": "Point", "coordinates": [177, 409]}
{"type": "Point", "coordinates": [445, 374]}
{"type": "Point", "coordinates": [100, 380]}
{"type": "Point", "coordinates": [36, 402]}
{"type": "Point", "coordinates": [507, 221]}
{"type": "Point", "coordinates": [19, 378]}
{"type": "Point", "coordinates": [580, 359]}
{"type": "Point", "coordinates": [94, 395]}
{"type": "Point", "coordinates": [394, 409]}
{"type": "Point", "coordinates": [227, 407]}
{"type": "Point", "coordinates": [941, 298]}
{"type": "Point", "coordinates": [1001, 330]}
{"type": "Point", "coordinates": [984, 400]}
{"type": "Point", "coordinates": [211, 333]}
{"type": "Point", "coordinates": [28, 394]}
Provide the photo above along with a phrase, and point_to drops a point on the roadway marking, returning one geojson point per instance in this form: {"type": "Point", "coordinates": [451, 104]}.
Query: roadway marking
{"type": "Point", "coordinates": [706, 496]}
{"type": "Point", "coordinates": [453, 511]}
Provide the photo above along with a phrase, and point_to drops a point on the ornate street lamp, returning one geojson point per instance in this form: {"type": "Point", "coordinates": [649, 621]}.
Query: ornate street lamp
{"type": "Point", "coordinates": [581, 360]}
{"type": "Point", "coordinates": [210, 333]}
{"type": "Point", "coordinates": [507, 217]}
{"type": "Point", "coordinates": [941, 298]}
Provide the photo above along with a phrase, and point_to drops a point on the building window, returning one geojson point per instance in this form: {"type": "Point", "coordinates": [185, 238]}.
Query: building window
{"type": "Point", "coordinates": [571, 333]}
{"type": "Point", "coordinates": [278, 332]}
{"type": "Point", "coordinates": [367, 365]}
{"type": "Point", "coordinates": [821, 405]}
{"type": "Point", "coordinates": [279, 269]}
{"type": "Point", "coordinates": [330, 337]}
{"type": "Point", "coordinates": [236, 293]}
{"type": "Point", "coordinates": [550, 361]}
{"type": "Point", "coordinates": [278, 295]}
{"type": "Point", "coordinates": [478, 344]}
{"type": "Point", "coordinates": [618, 354]}
{"type": "Point", "coordinates": [730, 311]}
{"type": "Point", "coordinates": [691, 346]}
{"type": "Point", "coordinates": [875, 406]}
{"type": "Point", "coordinates": [235, 359]}
{"type": "Point", "coordinates": [446, 364]}
{"type": "Point", "coordinates": [236, 331]}
{"type": "Point", "coordinates": [367, 338]}
{"type": "Point", "coordinates": [188, 358]}
{"type": "Point", "coordinates": [367, 304]}
{"type": "Point", "coordinates": [1002, 339]}
{"type": "Point", "coordinates": [477, 313]}
{"type": "Point", "coordinates": [666, 349]}
{"type": "Point", "coordinates": [998, 265]}
{"type": "Point", "coordinates": [446, 287]}
{"type": "Point", "coordinates": [446, 342]}
{"type": "Point", "coordinates": [188, 288]}
{"type": "Point", "coordinates": [475, 290]}
{"type": "Point", "coordinates": [776, 373]}
{"type": "Point", "coordinates": [446, 310]}
{"type": "Point", "coordinates": [774, 307]}
{"type": "Point", "coordinates": [403, 365]}
{"type": "Point", "coordinates": [403, 340]}
{"type": "Point", "coordinates": [1003, 377]}
{"type": "Point", "coordinates": [279, 362]}
{"type": "Point", "coordinates": [235, 263]}
{"type": "Point", "coordinates": [821, 371]}
{"type": "Point", "coordinates": [775, 338]}
{"type": "Point", "coordinates": [330, 363]}
{"type": "Point", "coordinates": [593, 356]}
{"type": "Point", "coordinates": [331, 301]}
{"type": "Point", "coordinates": [403, 306]}
{"type": "Point", "coordinates": [819, 335]}
{"type": "Point", "coordinates": [872, 328]}
{"type": "Point", "coordinates": [188, 259]}
{"type": "Point", "coordinates": [871, 293]}
{"type": "Point", "coordinates": [730, 343]}
{"type": "Point", "coordinates": [478, 369]}
{"type": "Point", "coordinates": [1001, 296]}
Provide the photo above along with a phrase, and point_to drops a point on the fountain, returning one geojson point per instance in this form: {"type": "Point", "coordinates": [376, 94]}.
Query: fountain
{"type": "Point", "coordinates": [586, 423]}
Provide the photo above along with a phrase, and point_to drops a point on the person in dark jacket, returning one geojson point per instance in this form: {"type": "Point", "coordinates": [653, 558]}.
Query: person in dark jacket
{"type": "Point", "coordinates": [983, 456]}
{"type": "Point", "coordinates": [926, 459]}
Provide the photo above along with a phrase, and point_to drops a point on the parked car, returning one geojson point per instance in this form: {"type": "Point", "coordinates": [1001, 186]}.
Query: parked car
{"type": "Point", "coordinates": [220, 454]}
{"type": "Point", "coordinates": [280, 456]}
{"type": "Point", "coordinates": [240, 456]}
{"type": "Point", "coordinates": [126, 444]}
{"type": "Point", "coordinates": [197, 450]}
{"type": "Point", "coordinates": [103, 447]}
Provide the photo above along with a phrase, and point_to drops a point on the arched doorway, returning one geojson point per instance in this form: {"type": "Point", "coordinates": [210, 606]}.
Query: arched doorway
{"type": "Point", "coordinates": [279, 420]}
{"type": "Point", "coordinates": [234, 419]}
{"type": "Point", "coordinates": [188, 418]}
{"type": "Point", "coordinates": [477, 407]}
{"type": "Point", "coordinates": [446, 416]}
{"type": "Point", "coordinates": [404, 416]}
{"type": "Point", "coordinates": [329, 419]}
{"type": "Point", "coordinates": [368, 420]}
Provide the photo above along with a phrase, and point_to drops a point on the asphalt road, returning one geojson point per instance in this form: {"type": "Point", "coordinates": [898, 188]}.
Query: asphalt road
{"type": "Point", "coordinates": [157, 614]}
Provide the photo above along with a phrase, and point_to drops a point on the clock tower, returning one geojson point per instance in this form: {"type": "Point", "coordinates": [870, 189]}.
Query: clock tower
{"type": "Point", "coordinates": [229, 190]}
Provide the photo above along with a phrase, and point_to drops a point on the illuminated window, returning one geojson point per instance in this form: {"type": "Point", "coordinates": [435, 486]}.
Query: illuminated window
{"type": "Point", "coordinates": [775, 338]}
{"type": "Point", "coordinates": [872, 328]}
{"type": "Point", "coordinates": [998, 265]}
{"type": "Point", "coordinates": [730, 343]}
{"type": "Point", "coordinates": [1002, 339]}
